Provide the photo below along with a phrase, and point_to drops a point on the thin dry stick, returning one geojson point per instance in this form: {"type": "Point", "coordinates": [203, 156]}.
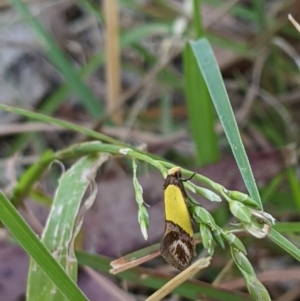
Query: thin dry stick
{"type": "Point", "coordinates": [121, 264]}
{"type": "Point", "coordinates": [180, 278]}
{"type": "Point", "coordinates": [294, 22]}
{"type": "Point", "coordinates": [112, 48]}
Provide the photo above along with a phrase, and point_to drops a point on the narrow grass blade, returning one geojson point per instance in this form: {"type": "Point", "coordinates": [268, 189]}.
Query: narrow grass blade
{"type": "Point", "coordinates": [200, 110]}
{"type": "Point", "coordinates": [289, 227]}
{"type": "Point", "coordinates": [37, 250]}
{"type": "Point", "coordinates": [284, 244]}
{"type": "Point", "coordinates": [88, 99]}
{"type": "Point", "coordinates": [62, 123]}
{"type": "Point", "coordinates": [213, 78]}
{"type": "Point", "coordinates": [62, 227]}
{"type": "Point", "coordinates": [212, 75]}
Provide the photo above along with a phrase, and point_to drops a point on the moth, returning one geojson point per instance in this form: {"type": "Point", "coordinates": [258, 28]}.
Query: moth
{"type": "Point", "coordinates": [177, 246]}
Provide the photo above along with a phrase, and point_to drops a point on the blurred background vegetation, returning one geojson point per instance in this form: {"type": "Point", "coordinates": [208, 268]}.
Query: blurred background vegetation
{"type": "Point", "coordinates": [124, 68]}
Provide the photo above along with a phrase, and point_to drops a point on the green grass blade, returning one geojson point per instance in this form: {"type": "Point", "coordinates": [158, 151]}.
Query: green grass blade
{"type": "Point", "coordinates": [88, 99]}
{"type": "Point", "coordinates": [199, 105]}
{"type": "Point", "coordinates": [212, 75]}
{"type": "Point", "coordinates": [200, 110]}
{"type": "Point", "coordinates": [284, 244]}
{"type": "Point", "coordinates": [62, 227]}
{"type": "Point", "coordinates": [62, 123]}
{"type": "Point", "coordinates": [213, 78]}
{"type": "Point", "coordinates": [289, 227]}
{"type": "Point", "coordinates": [36, 249]}
{"type": "Point", "coordinates": [197, 19]}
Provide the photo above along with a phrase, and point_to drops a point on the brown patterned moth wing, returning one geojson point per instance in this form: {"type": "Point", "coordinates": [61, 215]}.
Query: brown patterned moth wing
{"type": "Point", "coordinates": [177, 247]}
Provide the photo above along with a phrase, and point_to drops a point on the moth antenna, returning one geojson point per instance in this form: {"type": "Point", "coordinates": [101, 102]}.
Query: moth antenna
{"type": "Point", "coordinates": [187, 179]}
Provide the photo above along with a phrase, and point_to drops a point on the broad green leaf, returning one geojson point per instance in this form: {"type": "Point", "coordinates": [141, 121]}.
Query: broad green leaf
{"type": "Point", "coordinates": [63, 224]}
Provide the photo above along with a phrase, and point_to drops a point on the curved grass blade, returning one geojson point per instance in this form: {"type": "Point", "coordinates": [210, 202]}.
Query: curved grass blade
{"type": "Point", "coordinates": [37, 250]}
{"type": "Point", "coordinates": [213, 78]}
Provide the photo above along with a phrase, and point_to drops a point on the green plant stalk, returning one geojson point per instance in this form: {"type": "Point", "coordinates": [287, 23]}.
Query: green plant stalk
{"type": "Point", "coordinates": [36, 170]}
{"type": "Point", "coordinates": [26, 182]}
{"type": "Point", "coordinates": [64, 124]}
{"type": "Point", "coordinates": [32, 174]}
{"type": "Point", "coordinates": [32, 245]}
